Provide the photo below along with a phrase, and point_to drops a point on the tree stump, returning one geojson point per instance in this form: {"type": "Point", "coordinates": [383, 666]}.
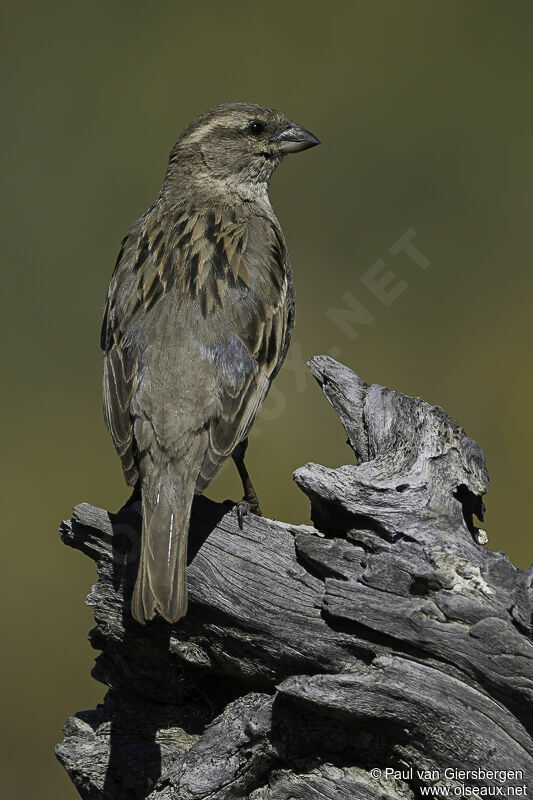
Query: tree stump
{"type": "Point", "coordinates": [382, 653]}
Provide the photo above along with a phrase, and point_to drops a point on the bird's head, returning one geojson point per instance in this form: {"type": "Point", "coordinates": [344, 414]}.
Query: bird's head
{"type": "Point", "coordinates": [236, 147]}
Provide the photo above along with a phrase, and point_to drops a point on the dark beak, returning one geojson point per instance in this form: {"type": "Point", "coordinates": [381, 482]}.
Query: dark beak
{"type": "Point", "coordinates": [296, 138]}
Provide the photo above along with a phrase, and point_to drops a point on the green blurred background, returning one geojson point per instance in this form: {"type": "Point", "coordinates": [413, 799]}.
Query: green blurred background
{"type": "Point", "coordinates": [424, 110]}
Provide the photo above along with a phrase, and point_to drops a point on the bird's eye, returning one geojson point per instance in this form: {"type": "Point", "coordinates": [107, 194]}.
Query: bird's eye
{"type": "Point", "coordinates": [256, 127]}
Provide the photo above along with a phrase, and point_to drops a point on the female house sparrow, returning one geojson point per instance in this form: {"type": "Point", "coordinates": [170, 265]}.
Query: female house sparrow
{"type": "Point", "coordinates": [197, 323]}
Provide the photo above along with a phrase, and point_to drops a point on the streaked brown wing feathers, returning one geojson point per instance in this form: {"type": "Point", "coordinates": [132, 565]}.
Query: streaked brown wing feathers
{"type": "Point", "coordinates": [264, 337]}
{"type": "Point", "coordinates": [120, 379]}
{"type": "Point", "coordinates": [200, 257]}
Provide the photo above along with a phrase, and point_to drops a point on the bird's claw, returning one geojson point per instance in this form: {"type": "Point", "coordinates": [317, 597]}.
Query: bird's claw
{"type": "Point", "coordinates": [245, 507]}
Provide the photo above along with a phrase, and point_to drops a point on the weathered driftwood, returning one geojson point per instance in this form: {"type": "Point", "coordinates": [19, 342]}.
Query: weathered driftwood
{"type": "Point", "coordinates": [384, 638]}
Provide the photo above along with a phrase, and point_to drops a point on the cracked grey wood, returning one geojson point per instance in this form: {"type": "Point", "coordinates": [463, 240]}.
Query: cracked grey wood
{"type": "Point", "coordinates": [384, 637]}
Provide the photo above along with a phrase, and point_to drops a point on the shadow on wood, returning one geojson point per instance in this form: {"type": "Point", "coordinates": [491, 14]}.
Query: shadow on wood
{"type": "Point", "coordinates": [373, 655]}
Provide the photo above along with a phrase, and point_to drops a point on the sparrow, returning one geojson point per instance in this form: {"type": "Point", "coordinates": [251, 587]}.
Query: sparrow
{"type": "Point", "coordinates": [197, 322]}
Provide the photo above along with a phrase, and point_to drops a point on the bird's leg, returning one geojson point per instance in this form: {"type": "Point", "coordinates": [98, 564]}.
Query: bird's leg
{"type": "Point", "coordinates": [250, 501]}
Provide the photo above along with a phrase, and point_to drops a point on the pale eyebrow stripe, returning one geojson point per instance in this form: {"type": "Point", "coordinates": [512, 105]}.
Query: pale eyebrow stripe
{"type": "Point", "coordinates": [206, 128]}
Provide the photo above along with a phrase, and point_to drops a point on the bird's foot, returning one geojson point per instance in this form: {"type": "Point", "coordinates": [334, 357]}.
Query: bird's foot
{"type": "Point", "coordinates": [247, 506]}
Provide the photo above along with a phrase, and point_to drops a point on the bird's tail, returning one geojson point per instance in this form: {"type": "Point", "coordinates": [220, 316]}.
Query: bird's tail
{"type": "Point", "coordinates": [161, 585]}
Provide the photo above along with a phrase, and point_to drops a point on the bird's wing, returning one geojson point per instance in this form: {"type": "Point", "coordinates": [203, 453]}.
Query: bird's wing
{"type": "Point", "coordinates": [120, 367]}
{"type": "Point", "coordinates": [261, 324]}
{"type": "Point", "coordinates": [228, 265]}
{"type": "Point", "coordinates": [143, 274]}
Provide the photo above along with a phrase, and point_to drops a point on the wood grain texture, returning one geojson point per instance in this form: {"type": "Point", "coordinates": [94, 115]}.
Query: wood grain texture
{"type": "Point", "coordinates": [385, 637]}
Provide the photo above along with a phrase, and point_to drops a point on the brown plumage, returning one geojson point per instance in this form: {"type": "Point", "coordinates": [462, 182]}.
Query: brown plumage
{"type": "Point", "coordinates": [197, 323]}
